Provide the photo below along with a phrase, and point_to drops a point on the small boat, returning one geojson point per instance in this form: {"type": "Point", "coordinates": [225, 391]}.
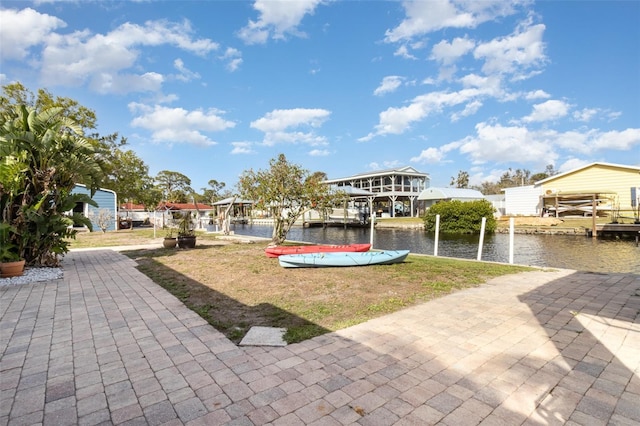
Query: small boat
{"type": "Point", "coordinates": [317, 260]}
{"type": "Point", "coordinates": [280, 250]}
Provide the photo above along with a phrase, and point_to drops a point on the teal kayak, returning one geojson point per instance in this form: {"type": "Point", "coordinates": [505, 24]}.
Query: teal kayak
{"type": "Point", "coordinates": [318, 260]}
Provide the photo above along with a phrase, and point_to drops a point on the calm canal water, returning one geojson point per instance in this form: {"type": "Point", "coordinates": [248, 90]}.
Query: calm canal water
{"type": "Point", "coordinates": [560, 251]}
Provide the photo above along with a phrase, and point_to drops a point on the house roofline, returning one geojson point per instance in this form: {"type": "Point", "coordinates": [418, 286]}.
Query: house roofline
{"type": "Point", "coordinates": [597, 163]}
{"type": "Point", "coordinates": [385, 172]}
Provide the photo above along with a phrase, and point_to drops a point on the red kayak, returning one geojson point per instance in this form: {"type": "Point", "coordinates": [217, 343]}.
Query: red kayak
{"type": "Point", "coordinates": [280, 250]}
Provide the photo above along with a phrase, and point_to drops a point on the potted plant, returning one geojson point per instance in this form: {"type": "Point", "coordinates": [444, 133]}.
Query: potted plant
{"type": "Point", "coordinates": [186, 233]}
{"type": "Point", "coordinates": [11, 265]}
{"type": "Point", "coordinates": [170, 240]}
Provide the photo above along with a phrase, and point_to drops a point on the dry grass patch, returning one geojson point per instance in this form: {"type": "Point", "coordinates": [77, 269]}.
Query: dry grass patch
{"type": "Point", "coordinates": [235, 286]}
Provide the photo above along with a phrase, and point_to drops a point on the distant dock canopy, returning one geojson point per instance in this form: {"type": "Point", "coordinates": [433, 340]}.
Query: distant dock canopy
{"type": "Point", "coordinates": [355, 212]}
{"type": "Point", "coordinates": [239, 210]}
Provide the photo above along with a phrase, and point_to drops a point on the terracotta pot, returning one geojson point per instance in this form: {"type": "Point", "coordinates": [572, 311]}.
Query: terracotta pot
{"type": "Point", "coordinates": [11, 269]}
{"type": "Point", "coordinates": [169, 242]}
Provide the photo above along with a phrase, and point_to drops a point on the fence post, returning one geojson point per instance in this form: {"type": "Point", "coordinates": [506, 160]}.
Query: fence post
{"type": "Point", "coordinates": [484, 223]}
{"type": "Point", "coordinates": [435, 247]}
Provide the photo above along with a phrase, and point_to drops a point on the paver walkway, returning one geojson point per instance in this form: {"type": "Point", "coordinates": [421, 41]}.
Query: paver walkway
{"type": "Point", "coordinates": [105, 345]}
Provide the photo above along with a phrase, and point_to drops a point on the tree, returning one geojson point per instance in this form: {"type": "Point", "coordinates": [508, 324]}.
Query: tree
{"type": "Point", "coordinates": [548, 172]}
{"type": "Point", "coordinates": [124, 172]}
{"type": "Point", "coordinates": [52, 155]}
{"type": "Point", "coordinates": [462, 181]}
{"type": "Point", "coordinates": [488, 188]}
{"type": "Point", "coordinates": [175, 186]}
{"type": "Point", "coordinates": [128, 176]}
{"type": "Point", "coordinates": [103, 217]}
{"type": "Point", "coordinates": [212, 193]}
{"type": "Point", "coordinates": [286, 190]}
{"type": "Point", "coordinates": [17, 94]}
{"type": "Point", "coordinates": [511, 178]}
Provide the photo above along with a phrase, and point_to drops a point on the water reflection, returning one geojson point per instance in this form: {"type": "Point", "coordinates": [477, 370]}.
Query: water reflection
{"type": "Point", "coordinates": [561, 251]}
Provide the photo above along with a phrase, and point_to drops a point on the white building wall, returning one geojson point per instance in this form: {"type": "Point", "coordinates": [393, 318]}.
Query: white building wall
{"type": "Point", "coordinates": [523, 201]}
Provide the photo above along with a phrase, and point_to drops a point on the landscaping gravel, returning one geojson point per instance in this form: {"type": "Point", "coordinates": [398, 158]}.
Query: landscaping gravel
{"type": "Point", "coordinates": [31, 275]}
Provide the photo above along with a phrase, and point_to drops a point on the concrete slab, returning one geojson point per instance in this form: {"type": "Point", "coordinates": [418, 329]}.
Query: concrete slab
{"type": "Point", "coordinates": [264, 336]}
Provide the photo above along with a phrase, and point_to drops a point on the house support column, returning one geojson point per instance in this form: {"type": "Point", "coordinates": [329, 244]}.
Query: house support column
{"type": "Point", "coordinates": [392, 207]}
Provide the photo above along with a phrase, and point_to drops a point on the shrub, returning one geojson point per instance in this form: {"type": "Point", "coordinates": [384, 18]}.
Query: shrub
{"type": "Point", "coordinates": [460, 217]}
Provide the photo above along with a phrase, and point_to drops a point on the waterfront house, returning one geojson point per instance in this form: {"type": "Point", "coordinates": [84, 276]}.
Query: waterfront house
{"type": "Point", "coordinates": [394, 191]}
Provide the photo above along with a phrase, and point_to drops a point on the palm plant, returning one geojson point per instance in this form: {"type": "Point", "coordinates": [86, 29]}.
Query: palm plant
{"type": "Point", "coordinates": [52, 155]}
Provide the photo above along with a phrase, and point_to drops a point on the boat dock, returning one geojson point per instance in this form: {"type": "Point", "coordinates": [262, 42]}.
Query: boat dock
{"type": "Point", "coordinates": [350, 222]}
{"type": "Point", "coordinates": [622, 230]}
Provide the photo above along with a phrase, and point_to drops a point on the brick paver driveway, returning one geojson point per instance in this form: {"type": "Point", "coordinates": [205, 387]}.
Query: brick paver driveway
{"type": "Point", "coordinates": [105, 345]}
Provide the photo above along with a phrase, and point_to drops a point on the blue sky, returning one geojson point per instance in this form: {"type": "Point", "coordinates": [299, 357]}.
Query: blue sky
{"type": "Point", "coordinates": [213, 88]}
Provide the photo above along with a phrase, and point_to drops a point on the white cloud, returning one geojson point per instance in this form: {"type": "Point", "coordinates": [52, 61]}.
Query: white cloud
{"type": "Point", "coordinates": [536, 94]}
{"type": "Point", "coordinates": [233, 58]}
{"type": "Point", "coordinates": [490, 86]}
{"type": "Point", "coordinates": [398, 120]}
{"type": "Point", "coordinates": [448, 53]}
{"type": "Point", "coordinates": [185, 74]}
{"type": "Point", "coordinates": [177, 125]}
{"type": "Point", "coordinates": [403, 52]}
{"type": "Point", "coordinates": [586, 114]}
{"type": "Point", "coordinates": [469, 109]}
{"type": "Point", "coordinates": [23, 29]}
{"type": "Point", "coordinates": [424, 17]}
{"type": "Point", "coordinates": [520, 145]}
{"type": "Point", "coordinates": [388, 164]}
{"type": "Point", "coordinates": [477, 176]}
{"type": "Point", "coordinates": [514, 54]}
{"type": "Point", "coordinates": [428, 156]}
{"type": "Point", "coordinates": [623, 140]}
{"type": "Point", "coordinates": [572, 164]}
{"type": "Point", "coordinates": [281, 119]}
{"type": "Point", "coordinates": [277, 19]}
{"type": "Point", "coordinates": [111, 61]}
{"type": "Point", "coordinates": [374, 166]}
{"type": "Point", "coordinates": [280, 126]}
{"type": "Point", "coordinates": [547, 111]}
{"type": "Point", "coordinates": [389, 84]}
{"type": "Point", "coordinates": [319, 153]}
{"type": "Point", "coordinates": [242, 148]}
{"type": "Point", "coordinates": [122, 83]}
{"type": "Point", "coordinates": [504, 145]}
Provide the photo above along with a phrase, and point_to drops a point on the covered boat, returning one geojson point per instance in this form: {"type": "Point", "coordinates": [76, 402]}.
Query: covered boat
{"type": "Point", "coordinates": [316, 260]}
{"type": "Point", "coordinates": [276, 251]}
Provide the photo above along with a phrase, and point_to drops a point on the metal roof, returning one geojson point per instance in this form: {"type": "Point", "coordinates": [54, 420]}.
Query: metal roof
{"type": "Point", "coordinates": [433, 193]}
{"type": "Point", "coordinates": [235, 200]}
{"type": "Point", "coordinates": [407, 170]}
